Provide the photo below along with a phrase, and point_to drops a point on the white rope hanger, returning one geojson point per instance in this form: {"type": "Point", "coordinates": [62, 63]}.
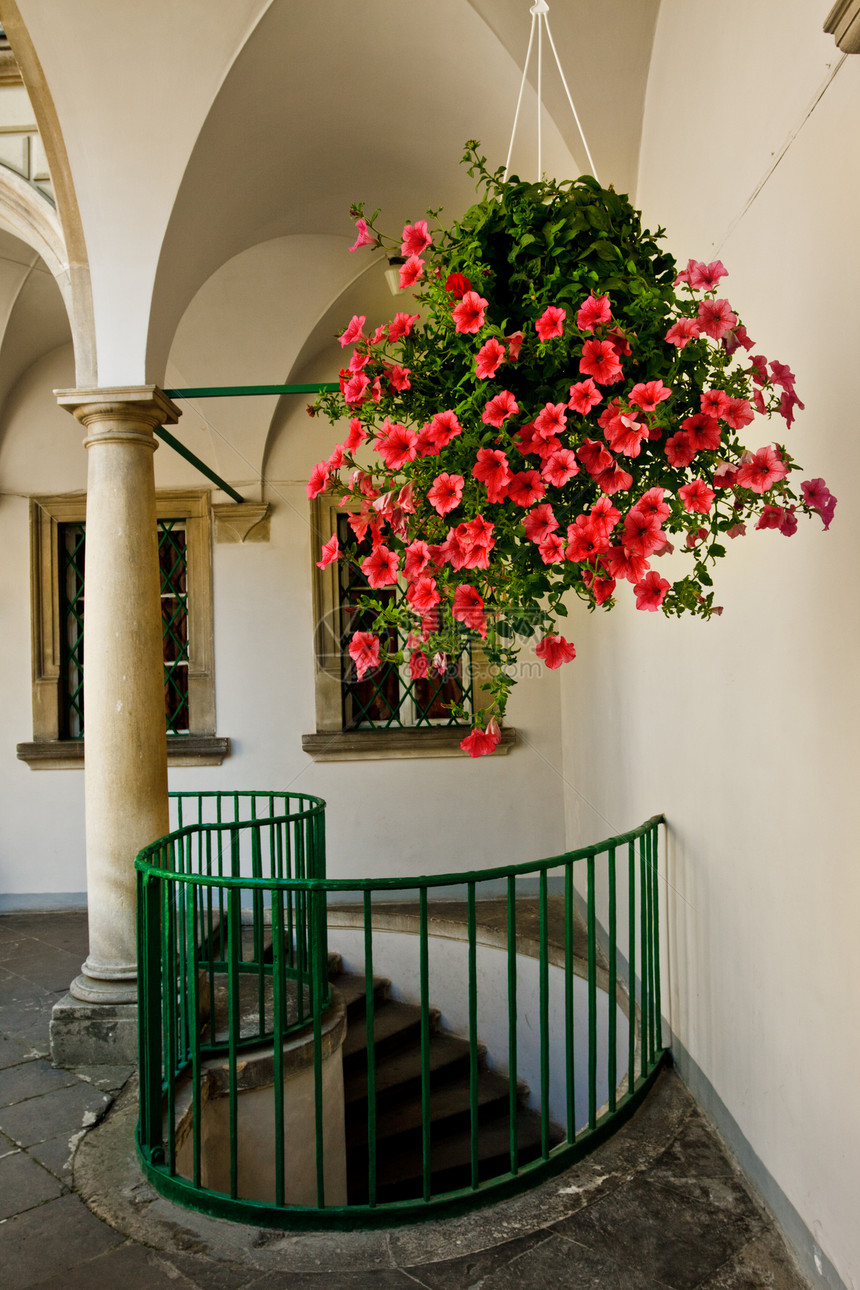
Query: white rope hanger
{"type": "Point", "coordinates": [539, 11]}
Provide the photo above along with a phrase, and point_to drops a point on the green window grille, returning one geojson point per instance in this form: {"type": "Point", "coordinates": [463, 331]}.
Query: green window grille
{"type": "Point", "coordinates": [390, 697]}
{"type": "Point", "coordinates": [173, 564]}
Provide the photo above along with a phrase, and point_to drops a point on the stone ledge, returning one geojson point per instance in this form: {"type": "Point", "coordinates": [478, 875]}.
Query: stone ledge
{"type": "Point", "coordinates": [378, 745]}
{"type": "Point", "coordinates": [68, 754]}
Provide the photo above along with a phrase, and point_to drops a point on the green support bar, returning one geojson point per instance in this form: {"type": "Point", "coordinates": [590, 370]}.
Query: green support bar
{"type": "Point", "coordinates": [231, 391]}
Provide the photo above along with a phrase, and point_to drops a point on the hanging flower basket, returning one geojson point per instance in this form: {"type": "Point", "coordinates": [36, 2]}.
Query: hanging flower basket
{"type": "Point", "coordinates": [565, 409]}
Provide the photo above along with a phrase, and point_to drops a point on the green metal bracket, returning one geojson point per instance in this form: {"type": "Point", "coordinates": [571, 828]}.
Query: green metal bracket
{"type": "Point", "coordinates": [230, 391]}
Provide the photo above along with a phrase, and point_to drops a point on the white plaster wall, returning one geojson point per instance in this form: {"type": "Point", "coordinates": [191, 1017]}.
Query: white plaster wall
{"type": "Point", "coordinates": [745, 730]}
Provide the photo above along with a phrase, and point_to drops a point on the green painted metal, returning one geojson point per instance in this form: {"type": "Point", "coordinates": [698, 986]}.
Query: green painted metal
{"type": "Point", "coordinates": [227, 392]}
{"type": "Point", "coordinates": [232, 913]}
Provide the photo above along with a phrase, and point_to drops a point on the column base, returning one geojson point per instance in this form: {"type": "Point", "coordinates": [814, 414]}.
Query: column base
{"type": "Point", "coordinates": [93, 1034]}
{"type": "Point", "coordinates": [101, 985]}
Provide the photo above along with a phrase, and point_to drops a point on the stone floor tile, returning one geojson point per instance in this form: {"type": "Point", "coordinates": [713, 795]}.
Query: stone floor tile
{"type": "Point", "coordinates": [762, 1264]}
{"type": "Point", "coordinates": [207, 1274]}
{"type": "Point", "coordinates": [51, 1240]}
{"type": "Point", "coordinates": [30, 1079]}
{"type": "Point", "coordinates": [110, 1079]}
{"type": "Point", "coordinates": [552, 1264]}
{"type": "Point", "coordinates": [24, 1184]}
{"type": "Point", "coordinates": [472, 1269]}
{"type": "Point", "coordinates": [28, 1023]}
{"type": "Point", "coordinates": [52, 969]}
{"type": "Point", "coordinates": [64, 1110]}
{"type": "Point", "coordinates": [64, 929]}
{"type": "Point", "coordinates": [17, 991]}
{"type": "Point", "coordinates": [129, 1267]}
{"type": "Point", "coordinates": [56, 1154]}
{"type": "Point", "coordinates": [375, 1279]}
{"type": "Point", "coordinates": [661, 1232]}
{"type": "Point", "coordinates": [13, 1051]}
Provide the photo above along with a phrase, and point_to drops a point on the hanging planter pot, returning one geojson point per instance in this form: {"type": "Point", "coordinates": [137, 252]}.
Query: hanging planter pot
{"type": "Point", "coordinates": [566, 410]}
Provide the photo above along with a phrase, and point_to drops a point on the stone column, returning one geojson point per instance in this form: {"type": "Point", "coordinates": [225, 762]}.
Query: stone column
{"type": "Point", "coordinates": [125, 742]}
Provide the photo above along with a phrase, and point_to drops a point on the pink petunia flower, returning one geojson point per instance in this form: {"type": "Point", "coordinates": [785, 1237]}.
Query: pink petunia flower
{"type": "Point", "coordinates": [468, 608]}
{"type": "Point", "coordinates": [642, 534]}
{"type": "Point", "coordinates": [584, 396]}
{"type": "Point", "coordinates": [679, 450]}
{"type": "Point", "coordinates": [738, 414]}
{"type": "Point", "coordinates": [555, 650]}
{"type": "Point", "coordinates": [716, 318]}
{"type": "Point", "coordinates": [704, 277]}
{"type": "Point", "coordinates": [423, 595]}
{"type": "Point", "coordinates": [381, 567]}
{"type": "Point", "coordinates": [415, 238]}
{"type": "Point", "coordinates": [355, 389]}
{"type": "Point", "coordinates": [623, 563]}
{"type": "Point", "coordinates": [396, 444]}
{"type": "Point", "coordinates": [318, 480]}
{"type": "Point", "coordinates": [652, 504]}
{"type": "Point", "coordinates": [515, 344]}
{"type": "Point", "coordinates": [600, 360]}
{"type": "Point", "coordinates": [651, 591]}
{"type": "Point", "coordinates": [330, 552]}
{"type": "Point", "coordinates": [480, 743]}
{"type": "Point", "coordinates": [489, 358]}
{"type": "Point", "coordinates": [761, 470]}
{"type": "Point", "coordinates": [539, 523]}
{"type": "Point", "coordinates": [787, 403]}
{"type": "Point", "coordinates": [697, 496]}
{"type": "Point", "coordinates": [560, 466]}
{"type": "Point", "coordinates": [418, 665]}
{"type": "Point", "coordinates": [457, 284]}
{"type": "Point", "coordinates": [365, 237]}
{"type": "Point", "coordinates": [551, 323]}
{"type": "Point", "coordinates": [364, 652]}
{"type": "Point", "coordinates": [525, 487]}
{"type": "Point", "coordinates": [613, 480]}
{"type": "Point", "coordinates": [552, 549]}
{"type": "Point", "coordinates": [782, 375]}
{"type": "Point", "coordinates": [445, 492]}
{"type": "Point", "coordinates": [416, 560]}
{"type": "Point", "coordinates": [593, 312]}
{"type": "Point", "coordinates": [491, 468]}
{"type": "Point", "coordinates": [714, 403]}
{"type": "Point", "coordinates": [469, 314]}
{"type": "Point", "coordinates": [398, 378]}
{"type": "Point", "coordinates": [605, 516]}
{"type": "Point", "coordinates": [353, 331]}
{"type": "Point", "coordinates": [499, 408]}
{"type": "Point", "coordinates": [682, 332]}
{"type": "Point", "coordinates": [411, 271]}
{"type": "Point", "coordinates": [818, 496]}
{"type": "Point", "coordinates": [551, 420]}
{"type": "Point", "coordinates": [401, 325]}
{"type": "Point", "coordinates": [585, 538]}
{"type": "Point", "coordinates": [594, 456]}
{"type": "Point", "coordinates": [648, 394]}
{"type": "Point", "coordinates": [703, 431]}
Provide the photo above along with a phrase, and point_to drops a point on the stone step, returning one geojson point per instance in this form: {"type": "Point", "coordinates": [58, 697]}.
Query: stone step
{"type": "Point", "coordinates": [399, 1072]}
{"type": "Point", "coordinates": [395, 1025]}
{"type": "Point", "coordinates": [449, 1105]}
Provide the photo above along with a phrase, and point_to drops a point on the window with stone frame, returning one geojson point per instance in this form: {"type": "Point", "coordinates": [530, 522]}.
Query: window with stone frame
{"type": "Point", "coordinates": [58, 547]}
{"type": "Point", "coordinates": [386, 713]}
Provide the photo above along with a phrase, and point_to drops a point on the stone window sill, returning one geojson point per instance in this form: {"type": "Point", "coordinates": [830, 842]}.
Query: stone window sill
{"type": "Point", "coordinates": [68, 754]}
{"type": "Point", "coordinates": [380, 745]}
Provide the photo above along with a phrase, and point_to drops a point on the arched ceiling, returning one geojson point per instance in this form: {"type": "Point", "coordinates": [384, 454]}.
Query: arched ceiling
{"type": "Point", "coordinates": [327, 105]}
{"type": "Point", "coordinates": [33, 318]}
{"type": "Point", "coordinates": [196, 131]}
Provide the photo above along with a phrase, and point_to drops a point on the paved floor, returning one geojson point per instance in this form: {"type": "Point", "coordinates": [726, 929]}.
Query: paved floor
{"type": "Point", "coordinates": [660, 1207]}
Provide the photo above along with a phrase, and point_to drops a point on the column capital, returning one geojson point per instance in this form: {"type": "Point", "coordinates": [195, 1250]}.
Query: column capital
{"type": "Point", "coordinates": [140, 405]}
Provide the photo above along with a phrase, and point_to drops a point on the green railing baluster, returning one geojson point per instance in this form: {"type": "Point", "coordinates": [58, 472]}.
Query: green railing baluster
{"type": "Point", "coordinates": [319, 971]}
{"type": "Point", "coordinates": [544, 1014]}
{"type": "Point", "coordinates": [613, 983]}
{"type": "Point", "coordinates": [168, 948]}
{"type": "Point", "coordinates": [513, 1090]}
{"type": "Point", "coordinates": [645, 1009]}
{"type": "Point", "coordinates": [569, 977]}
{"type": "Point", "coordinates": [369, 1019]}
{"type": "Point", "coordinates": [278, 1017]}
{"type": "Point", "coordinates": [592, 997]}
{"type": "Point", "coordinates": [234, 947]}
{"type": "Point", "coordinates": [192, 932]}
{"type": "Point", "coordinates": [473, 1033]}
{"type": "Point", "coordinates": [424, 988]}
{"type": "Point", "coordinates": [631, 967]}
{"type": "Point", "coordinates": [658, 1004]}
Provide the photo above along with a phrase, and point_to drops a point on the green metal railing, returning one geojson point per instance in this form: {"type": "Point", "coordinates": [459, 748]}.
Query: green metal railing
{"type": "Point", "coordinates": [234, 918]}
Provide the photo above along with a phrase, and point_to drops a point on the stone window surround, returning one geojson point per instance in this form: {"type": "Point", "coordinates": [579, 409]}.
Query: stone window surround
{"type": "Point", "coordinates": [331, 742]}
{"type": "Point", "coordinates": [47, 751]}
